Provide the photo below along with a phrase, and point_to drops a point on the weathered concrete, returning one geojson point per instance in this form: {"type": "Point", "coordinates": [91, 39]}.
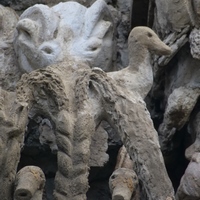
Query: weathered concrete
{"type": "Point", "coordinates": [76, 113]}
{"type": "Point", "coordinates": [13, 118]}
{"type": "Point", "coordinates": [190, 184]}
{"type": "Point", "coordinates": [9, 73]}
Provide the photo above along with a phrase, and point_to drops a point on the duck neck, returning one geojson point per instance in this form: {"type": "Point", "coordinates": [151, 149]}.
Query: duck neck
{"type": "Point", "coordinates": [140, 65]}
{"type": "Point", "coordinates": [139, 56]}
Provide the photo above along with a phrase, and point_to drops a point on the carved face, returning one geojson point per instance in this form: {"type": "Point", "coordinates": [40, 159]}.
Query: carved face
{"type": "Point", "coordinates": [36, 43]}
{"type": "Point", "coordinates": [123, 183]}
{"type": "Point", "coordinates": [48, 35]}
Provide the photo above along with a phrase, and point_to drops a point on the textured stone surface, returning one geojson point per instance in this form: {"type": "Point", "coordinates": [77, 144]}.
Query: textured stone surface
{"type": "Point", "coordinates": [189, 185]}
{"type": "Point", "coordinates": [170, 16]}
{"type": "Point", "coordinates": [176, 88]}
{"type": "Point", "coordinates": [47, 135]}
{"type": "Point", "coordinates": [76, 120]}
{"type": "Point", "coordinates": [194, 43]}
{"type": "Point", "coordinates": [9, 73]}
{"type": "Point", "coordinates": [173, 101]}
{"type": "Point", "coordinates": [51, 92]}
{"type": "Point", "coordinates": [194, 131]}
{"type": "Point", "coordinates": [98, 148]}
{"type": "Point", "coordinates": [192, 7]}
{"type": "Point", "coordinates": [13, 118]}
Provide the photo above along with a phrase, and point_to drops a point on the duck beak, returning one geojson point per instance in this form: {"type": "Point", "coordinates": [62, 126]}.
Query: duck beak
{"type": "Point", "coordinates": [160, 48]}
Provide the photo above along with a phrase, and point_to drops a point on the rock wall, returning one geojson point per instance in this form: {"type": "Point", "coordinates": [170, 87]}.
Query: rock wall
{"type": "Point", "coordinates": [42, 35]}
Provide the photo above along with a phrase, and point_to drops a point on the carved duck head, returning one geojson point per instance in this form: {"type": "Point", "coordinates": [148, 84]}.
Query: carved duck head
{"type": "Point", "coordinates": [142, 37]}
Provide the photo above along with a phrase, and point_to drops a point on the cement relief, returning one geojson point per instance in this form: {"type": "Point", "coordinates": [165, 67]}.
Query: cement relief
{"type": "Point", "coordinates": [56, 49]}
{"type": "Point", "coordinates": [50, 35]}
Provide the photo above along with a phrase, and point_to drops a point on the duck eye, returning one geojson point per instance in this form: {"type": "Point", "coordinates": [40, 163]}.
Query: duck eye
{"type": "Point", "coordinates": [149, 34]}
{"type": "Point", "coordinates": [113, 176]}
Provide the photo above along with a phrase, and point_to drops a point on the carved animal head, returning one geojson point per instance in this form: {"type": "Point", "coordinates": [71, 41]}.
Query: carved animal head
{"type": "Point", "coordinates": [29, 183]}
{"type": "Point", "coordinates": [35, 41]}
{"type": "Point", "coordinates": [144, 37]}
{"type": "Point", "coordinates": [123, 184]}
{"type": "Point", "coordinates": [49, 35]}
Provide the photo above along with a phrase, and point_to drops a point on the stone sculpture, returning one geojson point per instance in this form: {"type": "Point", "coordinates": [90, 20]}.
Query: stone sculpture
{"type": "Point", "coordinates": [138, 76]}
{"type": "Point", "coordinates": [29, 183]}
{"type": "Point", "coordinates": [100, 19]}
{"type": "Point", "coordinates": [75, 98]}
{"type": "Point", "coordinates": [50, 35]}
{"type": "Point", "coordinates": [70, 131]}
{"type": "Point", "coordinates": [89, 39]}
{"type": "Point", "coordinates": [72, 96]}
{"type": "Point", "coordinates": [189, 185]}
{"type": "Point", "coordinates": [123, 159]}
{"type": "Point", "coordinates": [123, 184]}
{"type": "Point", "coordinates": [77, 113]}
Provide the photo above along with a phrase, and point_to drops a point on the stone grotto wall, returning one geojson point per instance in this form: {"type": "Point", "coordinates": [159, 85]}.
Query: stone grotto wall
{"type": "Point", "coordinates": [76, 95]}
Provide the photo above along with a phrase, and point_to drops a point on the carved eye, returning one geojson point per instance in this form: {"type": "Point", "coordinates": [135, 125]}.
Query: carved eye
{"type": "Point", "coordinates": [23, 29]}
{"type": "Point", "coordinates": [113, 176]}
{"type": "Point", "coordinates": [47, 50]}
{"type": "Point", "coordinates": [25, 32]}
{"type": "Point", "coordinates": [22, 195]}
{"type": "Point", "coordinates": [93, 47]}
{"type": "Point", "coordinates": [94, 44]}
{"type": "Point", "coordinates": [149, 34]}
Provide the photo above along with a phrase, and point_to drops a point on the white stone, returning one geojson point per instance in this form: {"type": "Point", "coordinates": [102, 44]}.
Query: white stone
{"type": "Point", "coordinates": [49, 35]}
